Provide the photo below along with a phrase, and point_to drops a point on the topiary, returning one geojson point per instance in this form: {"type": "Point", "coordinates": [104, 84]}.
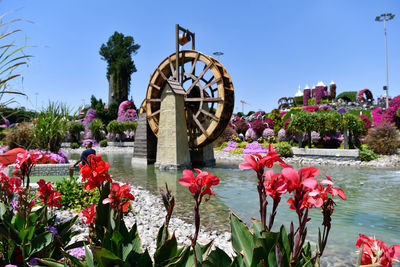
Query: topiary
{"type": "Point", "coordinates": [103, 143]}
{"type": "Point", "coordinates": [276, 118]}
{"type": "Point", "coordinates": [74, 145]}
{"type": "Point", "coordinates": [258, 127]}
{"type": "Point", "coordinates": [267, 133]}
{"type": "Point", "coordinates": [383, 138]}
{"type": "Point", "coordinates": [269, 123]}
{"type": "Point", "coordinates": [251, 134]}
{"type": "Point", "coordinates": [282, 136]}
{"type": "Point", "coordinates": [284, 149]}
{"type": "Point", "coordinates": [241, 126]}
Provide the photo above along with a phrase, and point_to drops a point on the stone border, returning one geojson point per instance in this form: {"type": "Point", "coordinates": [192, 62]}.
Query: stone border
{"type": "Point", "coordinates": [44, 169]}
{"type": "Point", "coordinates": [109, 143]}
{"type": "Point", "coordinates": [324, 152]}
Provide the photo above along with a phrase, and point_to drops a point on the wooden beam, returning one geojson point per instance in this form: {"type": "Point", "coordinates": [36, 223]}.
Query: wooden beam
{"type": "Point", "coordinates": [155, 86]}
{"type": "Point", "coordinates": [200, 126]}
{"type": "Point", "coordinates": [153, 100]}
{"type": "Point", "coordinates": [198, 78]}
{"type": "Point", "coordinates": [210, 83]}
{"type": "Point", "coordinates": [194, 63]}
{"type": "Point", "coordinates": [171, 66]}
{"type": "Point", "coordinates": [162, 74]}
{"type": "Point", "coordinates": [209, 114]}
{"type": "Point", "coordinates": [153, 114]}
{"type": "Point", "coordinates": [209, 99]}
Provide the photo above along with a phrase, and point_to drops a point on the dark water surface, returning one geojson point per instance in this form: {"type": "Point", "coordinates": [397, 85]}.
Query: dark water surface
{"type": "Point", "coordinates": [372, 206]}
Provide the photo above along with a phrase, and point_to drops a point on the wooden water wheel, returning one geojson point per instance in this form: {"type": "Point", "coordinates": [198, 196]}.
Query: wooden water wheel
{"type": "Point", "coordinates": [209, 97]}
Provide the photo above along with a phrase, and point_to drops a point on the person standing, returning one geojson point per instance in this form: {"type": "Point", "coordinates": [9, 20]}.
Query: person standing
{"type": "Point", "coordinates": [84, 155]}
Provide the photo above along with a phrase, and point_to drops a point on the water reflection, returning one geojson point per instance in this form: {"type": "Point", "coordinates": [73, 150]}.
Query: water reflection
{"type": "Point", "coordinates": [372, 206]}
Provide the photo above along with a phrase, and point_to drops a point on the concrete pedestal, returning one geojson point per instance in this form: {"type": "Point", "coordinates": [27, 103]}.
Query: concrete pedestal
{"type": "Point", "coordinates": [145, 146]}
{"type": "Point", "coordinates": [172, 146]}
{"type": "Point", "coordinates": [203, 157]}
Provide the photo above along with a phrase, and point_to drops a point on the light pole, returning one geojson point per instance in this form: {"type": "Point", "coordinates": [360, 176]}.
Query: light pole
{"type": "Point", "coordinates": [384, 18]}
{"type": "Point", "coordinates": [182, 39]}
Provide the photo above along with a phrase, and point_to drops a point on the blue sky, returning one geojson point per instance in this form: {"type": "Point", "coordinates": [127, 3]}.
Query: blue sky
{"type": "Point", "coordinates": [270, 47]}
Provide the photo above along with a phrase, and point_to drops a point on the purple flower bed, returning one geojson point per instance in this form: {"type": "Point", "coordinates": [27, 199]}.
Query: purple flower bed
{"type": "Point", "coordinates": [306, 96]}
{"type": "Point", "coordinates": [94, 142]}
{"type": "Point", "coordinates": [254, 147]}
{"type": "Point", "coordinates": [231, 145]}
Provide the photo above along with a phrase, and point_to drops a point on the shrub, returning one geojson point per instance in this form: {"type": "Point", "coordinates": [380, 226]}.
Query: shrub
{"type": "Point", "coordinates": [222, 146]}
{"type": "Point", "coordinates": [282, 136]}
{"type": "Point", "coordinates": [269, 123]}
{"type": "Point", "coordinates": [51, 127]}
{"type": "Point", "coordinates": [242, 145]}
{"type": "Point", "coordinates": [96, 127]}
{"type": "Point", "coordinates": [276, 118]}
{"type": "Point", "coordinates": [383, 139]}
{"type": "Point", "coordinates": [258, 126]}
{"type": "Point", "coordinates": [225, 136]}
{"type": "Point", "coordinates": [284, 149]}
{"type": "Point", "coordinates": [21, 136]}
{"type": "Point", "coordinates": [74, 145]}
{"type": "Point", "coordinates": [74, 129]}
{"type": "Point", "coordinates": [250, 133]}
{"type": "Point", "coordinates": [267, 133]}
{"type": "Point", "coordinates": [73, 196]}
{"type": "Point", "coordinates": [366, 154]}
{"type": "Point", "coordinates": [315, 137]}
{"type": "Point", "coordinates": [103, 143]}
{"type": "Point", "coordinates": [241, 126]}
{"type": "Point", "coordinates": [366, 121]}
{"type": "Point", "coordinates": [298, 100]}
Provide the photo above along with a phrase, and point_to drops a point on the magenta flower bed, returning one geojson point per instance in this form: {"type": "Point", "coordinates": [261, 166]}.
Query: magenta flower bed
{"type": "Point", "coordinates": [254, 147]}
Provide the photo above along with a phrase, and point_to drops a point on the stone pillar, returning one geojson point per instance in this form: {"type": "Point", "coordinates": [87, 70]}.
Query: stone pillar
{"type": "Point", "coordinates": [173, 145]}
{"type": "Point", "coordinates": [145, 146]}
{"type": "Point", "coordinates": [203, 156]}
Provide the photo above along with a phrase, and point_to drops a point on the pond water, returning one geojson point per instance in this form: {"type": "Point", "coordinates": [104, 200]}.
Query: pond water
{"type": "Point", "coordinates": [372, 206]}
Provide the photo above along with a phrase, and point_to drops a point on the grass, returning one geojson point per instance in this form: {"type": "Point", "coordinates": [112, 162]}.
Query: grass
{"type": "Point", "coordinates": [52, 179]}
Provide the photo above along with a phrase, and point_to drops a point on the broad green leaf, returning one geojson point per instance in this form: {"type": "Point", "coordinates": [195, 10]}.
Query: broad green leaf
{"type": "Point", "coordinates": [77, 244]}
{"type": "Point", "coordinates": [242, 239]}
{"type": "Point", "coordinates": [89, 257]}
{"type": "Point", "coordinates": [167, 251]}
{"type": "Point", "coordinates": [104, 257]}
{"type": "Point", "coordinates": [217, 257]}
{"type": "Point", "coordinates": [205, 250]}
{"type": "Point", "coordinates": [238, 261]}
{"type": "Point", "coordinates": [103, 213]}
{"type": "Point", "coordinates": [116, 238]}
{"type": "Point", "coordinates": [256, 227]}
{"type": "Point", "coordinates": [134, 239]}
{"type": "Point", "coordinates": [284, 244]}
{"type": "Point", "coordinates": [145, 260]}
{"type": "Point", "coordinates": [3, 209]}
{"type": "Point", "coordinates": [161, 235]}
{"type": "Point", "coordinates": [272, 258]}
{"type": "Point", "coordinates": [50, 262]}
{"type": "Point", "coordinates": [41, 241]}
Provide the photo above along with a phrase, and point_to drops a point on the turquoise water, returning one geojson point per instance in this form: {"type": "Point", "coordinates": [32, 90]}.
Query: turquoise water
{"type": "Point", "coordinates": [372, 206]}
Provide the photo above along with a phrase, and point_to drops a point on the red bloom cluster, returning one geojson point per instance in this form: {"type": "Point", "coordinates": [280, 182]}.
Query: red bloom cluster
{"type": "Point", "coordinates": [48, 195]}
{"type": "Point", "coordinates": [200, 184]}
{"type": "Point", "coordinates": [95, 172]}
{"type": "Point", "coordinates": [8, 185]}
{"type": "Point", "coordinates": [89, 213]}
{"type": "Point", "coordinates": [26, 160]}
{"type": "Point", "coordinates": [376, 253]}
{"type": "Point", "coordinates": [258, 163]}
{"type": "Point", "coordinates": [119, 197]}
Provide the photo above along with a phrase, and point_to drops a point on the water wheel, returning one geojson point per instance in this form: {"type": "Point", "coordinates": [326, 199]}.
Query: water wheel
{"type": "Point", "coordinates": [209, 97]}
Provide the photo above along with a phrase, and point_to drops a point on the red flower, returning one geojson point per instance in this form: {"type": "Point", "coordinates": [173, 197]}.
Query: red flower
{"type": "Point", "coordinates": [257, 162]}
{"type": "Point", "coordinates": [199, 184]}
{"type": "Point", "coordinates": [375, 252]}
{"type": "Point", "coordinates": [89, 213]}
{"type": "Point", "coordinates": [48, 195]}
{"type": "Point", "coordinates": [274, 184]}
{"type": "Point", "coordinates": [26, 160]}
{"type": "Point", "coordinates": [305, 177]}
{"type": "Point", "coordinates": [9, 185]}
{"type": "Point", "coordinates": [119, 197]}
{"type": "Point", "coordinates": [95, 172]}
{"type": "Point", "coordinates": [320, 193]}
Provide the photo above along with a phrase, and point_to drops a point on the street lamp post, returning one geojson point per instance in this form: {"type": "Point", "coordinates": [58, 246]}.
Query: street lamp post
{"type": "Point", "coordinates": [384, 18]}
{"type": "Point", "coordinates": [182, 39]}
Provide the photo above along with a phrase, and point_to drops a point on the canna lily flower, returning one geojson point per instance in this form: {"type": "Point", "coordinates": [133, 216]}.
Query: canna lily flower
{"type": "Point", "coordinates": [199, 184]}
{"type": "Point", "coordinates": [376, 253]}
{"type": "Point", "coordinates": [89, 214]}
{"type": "Point", "coordinates": [95, 172]}
{"type": "Point", "coordinates": [253, 161]}
{"type": "Point", "coordinates": [305, 177]}
{"type": "Point", "coordinates": [274, 184]}
{"type": "Point", "coordinates": [320, 194]}
{"type": "Point", "coordinates": [48, 195]}
{"type": "Point", "coordinates": [119, 197]}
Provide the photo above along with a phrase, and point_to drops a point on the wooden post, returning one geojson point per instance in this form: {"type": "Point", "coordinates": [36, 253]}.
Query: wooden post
{"type": "Point", "coordinates": [346, 138]}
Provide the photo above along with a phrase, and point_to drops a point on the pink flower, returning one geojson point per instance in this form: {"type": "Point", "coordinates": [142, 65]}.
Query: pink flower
{"type": "Point", "coordinates": [376, 253]}
{"type": "Point", "coordinates": [89, 213]}
{"type": "Point", "coordinates": [320, 193]}
{"type": "Point", "coordinates": [199, 184]}
{"type": "Point", "coordinates": [274, 184]}
{"type": "Point", "coordinates": [119, 197]}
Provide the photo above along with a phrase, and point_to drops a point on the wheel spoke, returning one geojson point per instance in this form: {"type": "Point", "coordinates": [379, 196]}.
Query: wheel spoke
{"type": "Point", "coordinates": [153, 100]}
{"type": "Point", "coordinates": [208, 99]}
{"type": "Point", "coordinates": [162, 74]}
{"type": "Point", "coordinates": [155, 86]}
{"type": "Point", "coordinates": [194, 64]}
{"type": "Point", "coordinates": [209, 115]}
{"type": "Point", "coordinates": [198, 78]}
{"type": "Point", "coordinates": [200, 126]}
{"type": "Point", "coordinates": [171, 66]}
{"type": "Point", "coordinates": [153, 114]}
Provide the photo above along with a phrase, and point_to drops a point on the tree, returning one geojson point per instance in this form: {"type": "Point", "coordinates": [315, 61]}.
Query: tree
{"type": "Point", "coordinates": [118, 54]}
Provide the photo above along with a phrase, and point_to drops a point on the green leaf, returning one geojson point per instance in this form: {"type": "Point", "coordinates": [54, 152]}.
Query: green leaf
{"type": "Point", "coordinates": [256, 227]}
{"type": "Point", "coordinates": [145, 259]}
{"type": "Point", "coordinates": [217, 257]}
{"type": "Point", "coordinates": [134, 239]}
{"type": "Point", "coordinates": [77, 244]}
{"type": "Point", "coordinates": [89, 257]}
{"type": "Point", "coordinates": [41, 241]}
{"type": "Point", "coordinates": [272, 258]}
{"type": "Point", "coordinates": [284, 244]}
{"type": "Point", "coordinates": [50, 262]}
{"type": "Point", "coordinates": [3, 209]}
{"type": "Point", "coordinates": [116, 238]}
{"type": "Point", "coordinates": [104, 257]}
{"type": "Point", "coordinates": [242, 238]}
{"type": "Point", "coordinates": [103, 213]}
{"type": "Point", "coordinates": [167, 251]}
{"type": "Point", "coordinates": [161, 235]}
{"type": "Point", "coordinates": [239, 262]}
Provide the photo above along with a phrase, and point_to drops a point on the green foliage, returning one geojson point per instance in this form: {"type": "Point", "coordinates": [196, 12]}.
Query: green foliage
{"type": "Point", "coordinates": [21, 136]}
{"type": "Point", "coordinates": [225, 136]}
{"type": "Point", "coordinates": [118, 127]}
{"type": "Point", "coordinates": [104, 114]}
{"type": "Point", "coordinates": [250, 113]}
{"type": "Point", "coordinates": [284, 149]}
{"type": "Point", "coordinates": [118, 54]}
{"type": "Point", "coordinates": [103, 143]}
{"type": "Point", "coordinates": [363, 112]}
{"type": "Point", "coordinates": [222, 146]}
{"type": "Point", "coordinates": [242, 145]}
{"type": "Point", "coordinates": [74, 197]}
{"type": "Point", "coordinates": [236, 151]}
{"type": "Point", "coordinates": [74, 129]}
{"type": "Point", "coordinates": [51, 127]}
{"type": "Point", "coordinates": [311, 102]}
{"type": "Point", "coordinates": [298, 100]}
{"type": "Point", "coordinates": [366, 154]}
{"type": "Point", "coordinates": [96, 127]}
{"type": "Point", "coordinates": [347, 96]}
{"type": "Point", "coordinates": [383, 139]}
{"type": "Point", "coordinates": [74, 145]}
{"type": "Point", "coordinates": [16, 115]}
{"type": "Point", "coordinates": [276, 118]}
{"type": "Point", "coordinates": [241, 114]}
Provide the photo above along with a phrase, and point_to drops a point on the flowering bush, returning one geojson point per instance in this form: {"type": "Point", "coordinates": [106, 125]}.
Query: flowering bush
{"type": "Point", "coordinates": [126, 111]}
{"type": "Point", "coordinates": [311, 108]}
{"type": "Point", "coordinates": [282, 136]}
{"type": "Point", "coordinates": [377, 115]}
{"type": "Point", "coordinates": [269, 123]}
{"type": "Point", "coordinates": [366, 121]}
{"type": "Point", "coordinates": [258, 127]}
{"type": "Point", "coordinates": [383, 138]}
{"type": "Point", "coordinates": [231, 145]}
{"type": "Point", "coordinates": [315, 137]}
{"type": "Point", "coordinates": [267, 133]}
{"type": "Point", "coordinates": [89, 117]}
{"type": "Point", "coordinates": [250, 133]}
{"type": "Point", "coordinates": [306, 95]}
